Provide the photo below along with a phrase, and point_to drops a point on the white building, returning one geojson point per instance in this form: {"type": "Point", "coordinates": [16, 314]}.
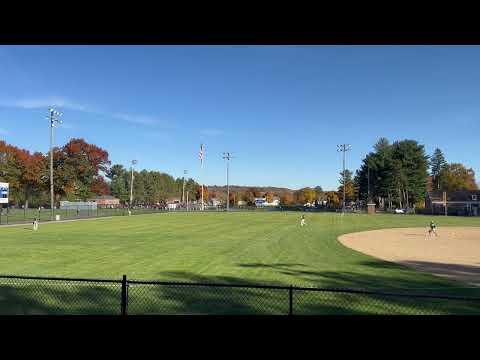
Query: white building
{"type": "Point", "coordinates": [215, 202]}
{"type": "Point", "coordinates": [173, 204]}
{"type": "Point", "coordinates": [263, 202]}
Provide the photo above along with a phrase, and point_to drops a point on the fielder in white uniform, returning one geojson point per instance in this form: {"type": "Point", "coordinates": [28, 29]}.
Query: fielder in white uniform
{"type": "Point", "coordinates": [35, 224]}
{"type": "Point", "coordinates": [302, 220]}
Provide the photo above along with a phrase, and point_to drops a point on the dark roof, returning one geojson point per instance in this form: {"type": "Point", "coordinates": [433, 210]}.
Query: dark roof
{"type": "Point", "coordinates": [462, 195]}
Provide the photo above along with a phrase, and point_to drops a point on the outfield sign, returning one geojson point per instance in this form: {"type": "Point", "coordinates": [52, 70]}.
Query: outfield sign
{"type": "Point", "coordinates": [3, 193]}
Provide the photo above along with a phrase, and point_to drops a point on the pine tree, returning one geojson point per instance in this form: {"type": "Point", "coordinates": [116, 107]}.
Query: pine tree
{"type": "Point", "coordinates": [437, 164]}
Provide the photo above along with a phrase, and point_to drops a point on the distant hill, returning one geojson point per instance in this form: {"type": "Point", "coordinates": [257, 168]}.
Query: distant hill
{"type": "Point", "coordinates": [261, 189]}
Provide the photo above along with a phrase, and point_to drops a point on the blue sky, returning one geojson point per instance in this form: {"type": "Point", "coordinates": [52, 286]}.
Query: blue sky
{"type": "Point", "coordinates": [281, 110]}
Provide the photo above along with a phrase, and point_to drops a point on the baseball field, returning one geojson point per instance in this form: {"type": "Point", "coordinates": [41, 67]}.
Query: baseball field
{"type": "Point", "coordinates": [245, 248]}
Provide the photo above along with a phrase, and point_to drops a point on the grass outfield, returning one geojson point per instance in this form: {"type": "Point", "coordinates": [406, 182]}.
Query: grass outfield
{"type": "Point", "coordinates": [243, 247]}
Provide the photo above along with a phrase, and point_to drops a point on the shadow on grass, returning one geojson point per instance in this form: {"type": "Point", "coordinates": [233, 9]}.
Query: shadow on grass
{"type": "Point", "coordinates": [195, 299]}
{"type": "Point", "coordinates": [37, 297]}
{"type": "Point", "coordinates": [469, 274]}
{"type": "Point", "coordinates": [69, 298]}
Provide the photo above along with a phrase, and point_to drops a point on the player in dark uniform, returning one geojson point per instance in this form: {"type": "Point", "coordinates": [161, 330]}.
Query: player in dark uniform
{"type": "Point", "coordinates": [433, 229]}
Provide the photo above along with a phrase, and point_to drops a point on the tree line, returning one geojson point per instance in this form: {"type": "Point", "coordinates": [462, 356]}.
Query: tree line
{"type": "Point", "coordinates": [400, 174]}
{"type": "Point", "coordinates": [81, 171]}
{"type": "Point", "coordinates": [394, 174]}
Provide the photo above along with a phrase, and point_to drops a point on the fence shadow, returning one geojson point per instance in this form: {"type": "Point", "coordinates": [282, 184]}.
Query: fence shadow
{"type": "Point", "coordinates": [208, 300]}
{"type": "Point", "coordinates": [469, 274]}
{"type": "Point", "coordinates": [188, 293]}
{"type": "Point", "coordinates": [33, 298]}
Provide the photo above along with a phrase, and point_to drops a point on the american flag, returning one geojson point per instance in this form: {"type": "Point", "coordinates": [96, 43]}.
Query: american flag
{"type": "Point", "coordinates": [201, 155]}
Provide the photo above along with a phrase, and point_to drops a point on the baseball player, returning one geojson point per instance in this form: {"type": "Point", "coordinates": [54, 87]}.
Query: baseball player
{"type": "Point", "coordinates": [433, 229]}
{"type": "Point", "coordinates": [35, 224]}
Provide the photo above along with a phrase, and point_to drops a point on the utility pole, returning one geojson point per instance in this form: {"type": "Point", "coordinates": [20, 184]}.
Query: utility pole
{"type": "Point", "coordinates": [183, 191]}
{"type": "Point", "coordinates": [343, 148]}
{"type": "Point", "coordinates": [54, 119]}
{"type": "Point", "coordinates": [445, 202]}
{"type": "Point", "coordinates": [131, 183]}
{"type": "Point", "coordinates": [227, 157]}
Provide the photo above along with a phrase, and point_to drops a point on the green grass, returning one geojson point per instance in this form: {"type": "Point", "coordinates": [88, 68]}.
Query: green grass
{"type": "Point", "coordinates": [242, 247]}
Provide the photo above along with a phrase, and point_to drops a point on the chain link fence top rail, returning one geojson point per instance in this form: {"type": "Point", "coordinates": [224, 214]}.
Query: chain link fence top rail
{"type": "Point", "coordinates": [22, 295]}
{"type": "Point", "coordinates": [24, 216]}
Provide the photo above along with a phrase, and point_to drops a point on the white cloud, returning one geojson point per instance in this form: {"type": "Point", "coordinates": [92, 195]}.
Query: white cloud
{"type": "Point", "coordinates": [67, 126]}
{"type": "Point", "coordinates": [45, 102]}
{"type": "Point", "coordinates": [63, 103]}
{"type": "Point", "coordinates": [212, 132]}
{"type": "Point", "coordinates": [136, 119]}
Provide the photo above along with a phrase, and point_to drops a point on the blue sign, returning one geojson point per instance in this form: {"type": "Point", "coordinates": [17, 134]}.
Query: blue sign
{"type": "Point", "coordinates": [3, 193]}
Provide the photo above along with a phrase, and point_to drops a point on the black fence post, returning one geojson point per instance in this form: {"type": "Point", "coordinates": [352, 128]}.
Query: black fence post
{"type": "Point", "coordinates": [124, 303]}
{"type": "Point", "coordinates": [290, 300]}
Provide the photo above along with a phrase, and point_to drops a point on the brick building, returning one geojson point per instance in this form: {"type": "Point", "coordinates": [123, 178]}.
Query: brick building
{"type": "Point", "coordinates": [106, 201]}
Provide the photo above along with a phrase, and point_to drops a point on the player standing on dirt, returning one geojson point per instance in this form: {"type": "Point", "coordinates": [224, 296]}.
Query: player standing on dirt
{"type": "Point", "coordinates": [433, 228]}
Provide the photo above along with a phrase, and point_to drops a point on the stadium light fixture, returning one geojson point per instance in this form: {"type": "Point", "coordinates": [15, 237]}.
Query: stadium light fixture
{"type": "Point", "coordinates": [134, 162]}
{"type": "Point", "coordinates": [54, 117]}
{"type": "Point", "coordinates": [343, 148]}
{"type": "Point", "coordinates": [183, 189]}
{"type": "Point", "coordinates": [227, 156]}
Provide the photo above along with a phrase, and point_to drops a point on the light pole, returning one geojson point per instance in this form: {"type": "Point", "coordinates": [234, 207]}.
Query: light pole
{"type": "Point", "coordinates": [131, 183]}
{"type": "Point", "coordinates": [368, 182]}
{"type": "Point", "coordinates": [227, 157]}
{"type": "Point", "coordinates": [343, 148]}
{"type": "Point", "coordinates": [54, 119]}
{"type": "Point", "coordinates": [183, 191]}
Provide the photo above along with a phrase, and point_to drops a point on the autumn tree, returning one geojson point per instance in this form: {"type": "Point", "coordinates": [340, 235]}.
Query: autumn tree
{"type": "Point", "coordinates": [347, 181]}
{"type": "Point", "coordinates": [198, 193]}
{"type": "Point", "coordinates": [99, 186]}
{"type": "Point", "coordinates": [25, 172]}
{"type": "Point", "coordinates": [287, 198]}
{"type": "Point", "coordinates": [333, 201]}
{"type": "Point", "coordinates": [456, 177]}
{"type": "Point", "coordinates": [305, 195]}
{"type": "Point", "coordinates": [250, 197]}
{"type": "Point", "coordinates": [269, 196]}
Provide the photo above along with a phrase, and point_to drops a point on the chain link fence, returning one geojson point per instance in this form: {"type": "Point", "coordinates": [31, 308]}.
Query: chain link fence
{"type": "Point", "coordinates": [21, 295]}
{"type": "Point", "coordinates": [23, 216]}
